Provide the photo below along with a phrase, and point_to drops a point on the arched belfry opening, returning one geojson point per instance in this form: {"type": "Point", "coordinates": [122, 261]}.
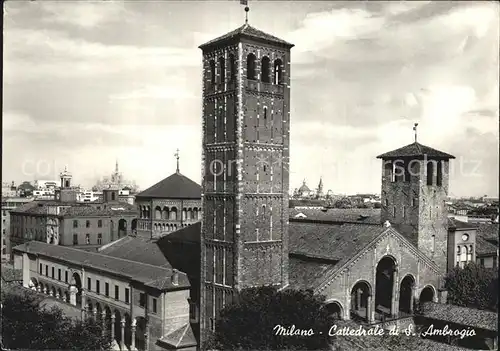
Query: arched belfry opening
{"type": "Point", "coordinates": [265, 72]}
{"type": "Point", "coordinates": [251, 71]}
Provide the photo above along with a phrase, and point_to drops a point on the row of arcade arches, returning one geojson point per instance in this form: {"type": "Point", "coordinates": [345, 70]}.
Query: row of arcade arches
{"type": "Point", "coordinates": [385, 302]}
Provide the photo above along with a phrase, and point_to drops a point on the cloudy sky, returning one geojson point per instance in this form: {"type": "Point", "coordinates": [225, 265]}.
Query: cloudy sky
{"type": "Point", "coordinates": [86, 83]}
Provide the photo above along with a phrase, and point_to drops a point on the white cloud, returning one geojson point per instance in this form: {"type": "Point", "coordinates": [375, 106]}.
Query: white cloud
{"type": "Point", "coordinates": [59, 55]}
{"type": "Point", "coordinates": [85, 14]}
{"type": "Point", "coordinates": [156, 92]}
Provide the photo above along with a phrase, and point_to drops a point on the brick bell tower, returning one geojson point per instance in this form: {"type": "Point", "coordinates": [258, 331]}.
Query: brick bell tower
{"type": "Point", "coordinates": [415, 181]}
{"type": "Point", "coordinates": [246, 137]}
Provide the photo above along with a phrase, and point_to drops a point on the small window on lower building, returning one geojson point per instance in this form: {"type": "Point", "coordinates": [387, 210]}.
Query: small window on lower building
{"type": "Point", "coordinates": [117, 292]}
{"type": "Point", "coordinates": [41, 268]}
{"type": "Point", "coordinates": [481, 262]}
{"type": "Point", "coordinates": [59, 274]}
{"type": "Point", "coordinates": [212, 324]}
{"type": "Point", "coordinates": [89, 284]}
{"type": "Point", "coordinates": [127, 296]}
{"type": "Point", "coordinates": [142, 299]}
{"type": "Point", "coordinates": [66, 276]}
{"type": "Point", "coordinates": [87, 239]}
{"type": "Point", "coordinates": [53, 273]}
{"type": "Point", "coordinates": [99, 239]}
{"type": "Point", "coordinates": [155, 307]}
{"type": "Point", "coordinates": [106, 289]}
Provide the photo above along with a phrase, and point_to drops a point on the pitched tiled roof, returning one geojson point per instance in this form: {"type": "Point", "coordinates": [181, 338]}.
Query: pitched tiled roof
{"type": "Point", "coordinates": [138, 250]}
{"type": "Point", "coordinates": [110, 210]}
{"type": "Point", "coordinates": [191, 233]}
{"type": "Point", "coordinates": [149, 275]}
{"type": "Point", "coordinates": [349, 215]}
{"type": "Point", "coordinates": [313, 242]}
{"type": "Point", "coordinates": [303, 273]}
{"type": "Point", "coordinates": [471, 317]}
{"type": "Point", "coordinates": [415, 150]}
{"type": "Point", "coordinates": [180, 338]}
{"type": "Point", "coordinates": [175, 186]}
{"type": "Point", "coordinates": [484, 247]}
{"type": "Point", "coordinates": [488, 231]}
{"type": "Point", "coordinates": [247, 31]}
{"type": "Point", "coordinates": [78, 209]}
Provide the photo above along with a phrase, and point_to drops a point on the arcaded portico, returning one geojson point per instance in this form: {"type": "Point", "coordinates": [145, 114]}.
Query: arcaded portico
{"type": "Point", "coordinates": [141, 306]}
{"type": "Point", "coordinates": [368, 272]}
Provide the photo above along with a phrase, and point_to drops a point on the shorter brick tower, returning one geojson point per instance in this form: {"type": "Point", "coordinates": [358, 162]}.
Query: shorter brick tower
{"type": "Point", "coordinates": [414, 190]}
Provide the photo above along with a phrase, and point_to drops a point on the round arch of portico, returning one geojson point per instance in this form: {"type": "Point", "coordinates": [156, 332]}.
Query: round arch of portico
{"type": "Point", "coordinates": [370, 288]}
{"type": "Point", "coordinates": [403, 276]}
{"type": "Point", "coordinates": [338, 303]}
{"type": "Point", "coordinates": [394, 260]}
{"type": "Point", "coordinates": [434, 291]}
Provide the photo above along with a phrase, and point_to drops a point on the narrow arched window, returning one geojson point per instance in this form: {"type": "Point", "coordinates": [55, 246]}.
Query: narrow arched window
{"type": "Point", "coordinates": [265, 113]}
{"type": "Point", "coordinates": [278, 72]}
{"type": "Point", "coordinates": [212, 71]}
{"type": "Point", "coordinates": [222, 68]}
{"type": "Point", "coordinates": [232, 68]}
{"type": "Point", "coordinates": [439, 175]}
{"type": "Point", "coordinates": [264, 74]}
{"type": "Point", "coordinates": [263, 213]}
{"type": "Point", "coordinates": [430, 172]}
{"type": "Point", "coordinates": [251, 66]}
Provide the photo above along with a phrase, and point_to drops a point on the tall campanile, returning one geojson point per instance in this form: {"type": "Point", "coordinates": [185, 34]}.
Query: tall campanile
{"type": "Point", "coordinates": [246, 138]}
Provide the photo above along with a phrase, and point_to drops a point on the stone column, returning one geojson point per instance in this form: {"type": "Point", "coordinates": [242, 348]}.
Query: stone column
{"type": "Point", "coordinates": [395, 293]}
{"type": "Point", "coordinates": [38, 288]}
{"type": "Point", "coordinates": [132, 339]}
{"type": "Point", "coordinates": [50, 293]}
{"type": "Point", "coordinates": [369, 309]}
{"type": "Point", "coordinates": [103, 316]}
{"type": "Point", "coordinates": [358, 299]}
{"type": "Point", "coordinates": [122, 341]}
{"type": "Point", "coordinates": [45, 290]}
{"type": "Point", "coordinates": [72, 294]}
{"type": "Point", "coordinates": [113, 319]}
{"type": "Point", "coordinates": [412, 298]}
{"type": "Point", "coordinates": [94, 312]}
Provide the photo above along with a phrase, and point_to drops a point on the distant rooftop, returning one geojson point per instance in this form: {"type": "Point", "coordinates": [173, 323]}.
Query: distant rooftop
{"type": "Point", "coordinates": [247, 31]}
{"type": "Point", "coordinates": [416, 150]}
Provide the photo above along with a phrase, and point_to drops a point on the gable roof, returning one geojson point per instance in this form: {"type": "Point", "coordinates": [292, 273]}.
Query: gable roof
{"type": "Point", "coordinates": [339, 243]}
{"type": "Point", "coordinates": [152, 276]}
{"type": "Point", "coordinates": [246, 31]}
{"type": "Point", "coordinates": [175, 186]}
{"type": "Point", "coordinates": [416, 150]}
{"type": "Point", "coordinates": [339, 215]}
{"type": "Point", "coordinates": [138, 250]}
{"type": "Point", "coordinates": [316, 248]}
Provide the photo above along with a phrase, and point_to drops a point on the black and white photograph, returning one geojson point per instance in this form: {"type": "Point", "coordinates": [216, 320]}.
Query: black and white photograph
{"type": "Point", "coordinates": [250, 175]}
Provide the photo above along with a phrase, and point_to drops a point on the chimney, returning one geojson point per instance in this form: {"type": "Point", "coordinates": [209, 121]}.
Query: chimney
{"type": "Point", "coordinates": [175, 277]}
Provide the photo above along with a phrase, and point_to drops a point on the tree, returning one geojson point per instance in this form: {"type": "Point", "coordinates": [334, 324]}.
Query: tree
{"type": "Point", "coordinates": [254, 320]}
{"type": "Point", "coordinates": [473, 286]}
{"type": "Point", "coordinates": [27, 326]}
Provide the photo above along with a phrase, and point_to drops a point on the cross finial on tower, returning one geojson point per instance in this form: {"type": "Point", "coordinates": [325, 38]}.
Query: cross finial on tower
{"type": "Point", "coordinates": [415, 130]}
{"type": "Point", "coordinates": [177, 157]}
{"type": "Point", "coordinates": [245, 2]}
{"type": "Point", "coordinates": [116, 166]}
